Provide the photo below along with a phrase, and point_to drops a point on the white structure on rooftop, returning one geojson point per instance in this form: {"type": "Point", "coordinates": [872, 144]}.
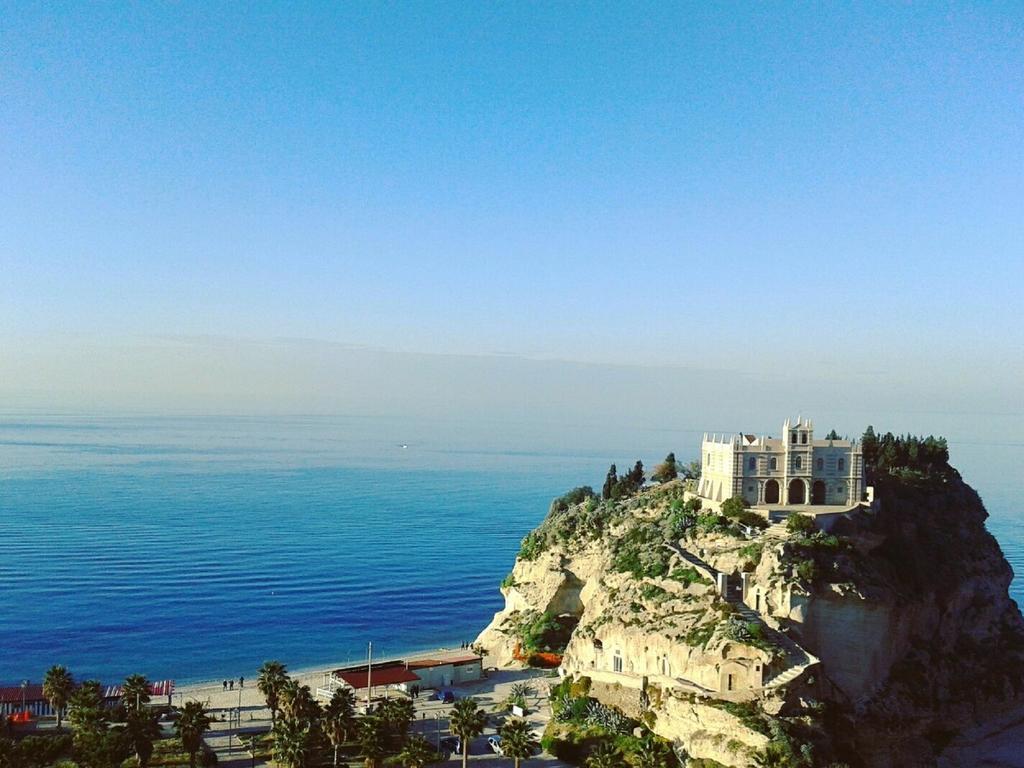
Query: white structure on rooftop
{"type": "Point", "coordinates": [794, 469]}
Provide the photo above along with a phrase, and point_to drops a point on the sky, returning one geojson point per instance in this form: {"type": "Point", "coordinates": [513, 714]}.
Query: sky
{"type": "Point", "coordinates": [349, 206]}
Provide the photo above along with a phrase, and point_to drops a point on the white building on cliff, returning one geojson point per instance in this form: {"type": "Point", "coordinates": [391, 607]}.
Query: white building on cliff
{"type": "Point", "coordinates": [794, 469]}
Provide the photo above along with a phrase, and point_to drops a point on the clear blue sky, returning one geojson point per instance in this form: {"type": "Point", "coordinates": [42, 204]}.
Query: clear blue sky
{"type": "Point", "coordinates": [729, 186]}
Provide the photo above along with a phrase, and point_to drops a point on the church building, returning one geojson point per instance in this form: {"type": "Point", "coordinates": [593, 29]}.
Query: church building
{"type": "Point", "coordinates": [794, 469]}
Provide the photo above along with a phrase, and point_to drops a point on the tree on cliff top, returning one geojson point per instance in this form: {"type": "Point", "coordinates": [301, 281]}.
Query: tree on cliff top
{"type": "Point", "coordinates": [610, 481]}
{"type": "Point", "coordinates": [667, 470]}
{"type": "Point", "coordinates": [904, 455]}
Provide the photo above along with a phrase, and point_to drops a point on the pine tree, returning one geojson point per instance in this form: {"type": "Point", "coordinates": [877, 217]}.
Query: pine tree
{"type": "Point", "coordinates": [610, 481]}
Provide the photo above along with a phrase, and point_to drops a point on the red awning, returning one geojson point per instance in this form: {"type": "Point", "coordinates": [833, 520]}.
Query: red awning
{"type": "Point", "coordinates": [159, 688]}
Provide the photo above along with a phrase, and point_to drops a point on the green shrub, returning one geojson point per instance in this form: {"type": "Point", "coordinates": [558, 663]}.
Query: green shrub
{"type": "Point", "coordinates": [545, 632]}
{"type": "Point", "coordinates": [798, 523]}
{"type": "Point", "coordinates": [580, 687]}
{"type": "Point", "coordinates": [752, 551]}
{"type": "Point", "coordinates": [572, 498]}
{"type": "Point", "coordinates": [687, 575]}
{"type": "Point", "coordinates": [710, 521]}
{"type": "Point", "coordinates": [698, 636]}
{"type": "Point", "coordinates": [734, 507]}
{"type": "Point", "coordinates": [752, 519]}
{"type": "Point", "coordinates": [653, 592]}
{"type": "Point", "coordinates": [807, 570]}
{"type": "Point", "coordinates": [641, 552]}
{"type": "Point", "coordinates": [532, 546]}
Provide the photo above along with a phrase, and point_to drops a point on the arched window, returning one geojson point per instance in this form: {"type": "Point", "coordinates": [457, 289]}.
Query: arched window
{"type": "Point", "coordinates": [797, 462]}
{"type": "Point", "coordinates": [842, 464]}
{"type": "Point", "coordinates": [803, 438]}
{"type": "Point", "coordinates": [820, 463]}
{"type": "Point", "coordinates": [752, 463]}
{"type": "Point", "coordinates": [773, 463]}
{"type": "Point", "coordinates": [792, 438]}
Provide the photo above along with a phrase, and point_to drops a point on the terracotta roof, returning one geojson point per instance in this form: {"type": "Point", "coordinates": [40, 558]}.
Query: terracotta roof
{"type": "Point", "coordinates": [389, 675]}
{"type": "Point", "coordinates": [12, 693]}
{"type": "Point", "coordinates": [454, 661]}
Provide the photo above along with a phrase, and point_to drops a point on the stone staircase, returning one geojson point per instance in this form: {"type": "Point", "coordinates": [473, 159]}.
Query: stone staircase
{"type": "Point", "coordinates": [702, 568]}
{"type": "Point", "coordinates": [797, 659]}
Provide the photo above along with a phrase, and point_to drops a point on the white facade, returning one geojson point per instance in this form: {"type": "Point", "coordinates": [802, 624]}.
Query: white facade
{"type": "Point", "coordinates": [794, 469]}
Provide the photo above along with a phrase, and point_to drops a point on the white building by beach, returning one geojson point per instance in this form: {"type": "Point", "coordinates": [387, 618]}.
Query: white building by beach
{"type": "Point", "coordinates": [791, 470]}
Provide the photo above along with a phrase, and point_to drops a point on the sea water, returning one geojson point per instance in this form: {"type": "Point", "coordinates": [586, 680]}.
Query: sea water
{"type": "Point", "coordinates": [194, 548]}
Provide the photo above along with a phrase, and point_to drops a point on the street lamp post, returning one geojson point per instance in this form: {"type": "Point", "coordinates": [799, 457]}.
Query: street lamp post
{"type": "Point", "coordinates": [24, 688]}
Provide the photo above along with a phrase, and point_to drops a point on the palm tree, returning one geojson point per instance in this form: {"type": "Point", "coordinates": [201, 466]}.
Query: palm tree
{"type": "Point", "coordinates": [291, 742]}
{"type": "Point", "coordinates": [142, 730]}
{"type": "Point", "coordinates": [340, 718]}
{"type": "Point", "coordinates": [606, 755]}
{"type": "Point", "coordinates": [467, 722]}
{"type": "Point", "coordinates": [372, 740]}
{"type": "Point", "coordinates": [89, 723]}
{"type": "Point", "coordinates": [517, 740]}
{"type": "Point", "coordinates": [521, 691]}
{"type": "Point", "coordinates": [85, 709]}
{"type": "Point", "coordinates": [296, 702]}
{"type": "Point", "coordinates": [653, 753]}
{"type": "Point", "coordinates": [58, 685]}
{"type": "Point", "coordinates": [191, 725]}
{"type": "Point", "coordinates": [397, 715]}
{"type": "Point", "coordinates": [135, 692]}
{"type": "Point", "coordinates": [417, 753]}
{"type": "Point", "coordinates": [271, 678]}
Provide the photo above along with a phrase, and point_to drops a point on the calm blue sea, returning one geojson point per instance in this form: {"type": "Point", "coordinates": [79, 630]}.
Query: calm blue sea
{"type": "Point", "coordinates": [195, 548]}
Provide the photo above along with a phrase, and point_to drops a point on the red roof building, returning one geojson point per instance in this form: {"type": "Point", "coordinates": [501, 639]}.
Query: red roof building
{"type": "Point", "coordinates": [387, 673]}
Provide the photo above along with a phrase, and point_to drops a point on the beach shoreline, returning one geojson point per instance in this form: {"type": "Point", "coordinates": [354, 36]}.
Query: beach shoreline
{"type": "Point", "coordinates": [213, 693]}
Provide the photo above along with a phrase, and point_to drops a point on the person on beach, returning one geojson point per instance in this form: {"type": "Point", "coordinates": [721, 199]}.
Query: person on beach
{"type": "Point", "coordinates": [241, 682]}
{"type": "Point", "coordinates": [225, 685]}
{"type": "Point", "coordinates": [231, 684]}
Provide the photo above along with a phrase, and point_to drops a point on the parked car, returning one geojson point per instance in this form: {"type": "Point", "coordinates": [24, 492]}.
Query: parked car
{"type": "Point", "coordinates": [452, 745]}
{"type": "Point", "coordinates": [170, 716]}
{"type": "Point", "coordinates": [494, 742]}
{"type": "Point", "coordinates": [445, 696]}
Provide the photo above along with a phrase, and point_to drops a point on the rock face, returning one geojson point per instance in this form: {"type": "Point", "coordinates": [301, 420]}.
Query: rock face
{"type": "Point", "coordinates": [874, 646]}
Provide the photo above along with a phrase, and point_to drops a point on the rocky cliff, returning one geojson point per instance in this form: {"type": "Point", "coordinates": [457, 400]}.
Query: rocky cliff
{"type": "Point", "coordinates": [874, 644]}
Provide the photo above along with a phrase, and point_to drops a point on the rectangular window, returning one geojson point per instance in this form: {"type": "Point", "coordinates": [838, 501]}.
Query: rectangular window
{"type": "Point", "coordinates": [617, 663]}
{"type": "Point", "coordinates": [842, 464]}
